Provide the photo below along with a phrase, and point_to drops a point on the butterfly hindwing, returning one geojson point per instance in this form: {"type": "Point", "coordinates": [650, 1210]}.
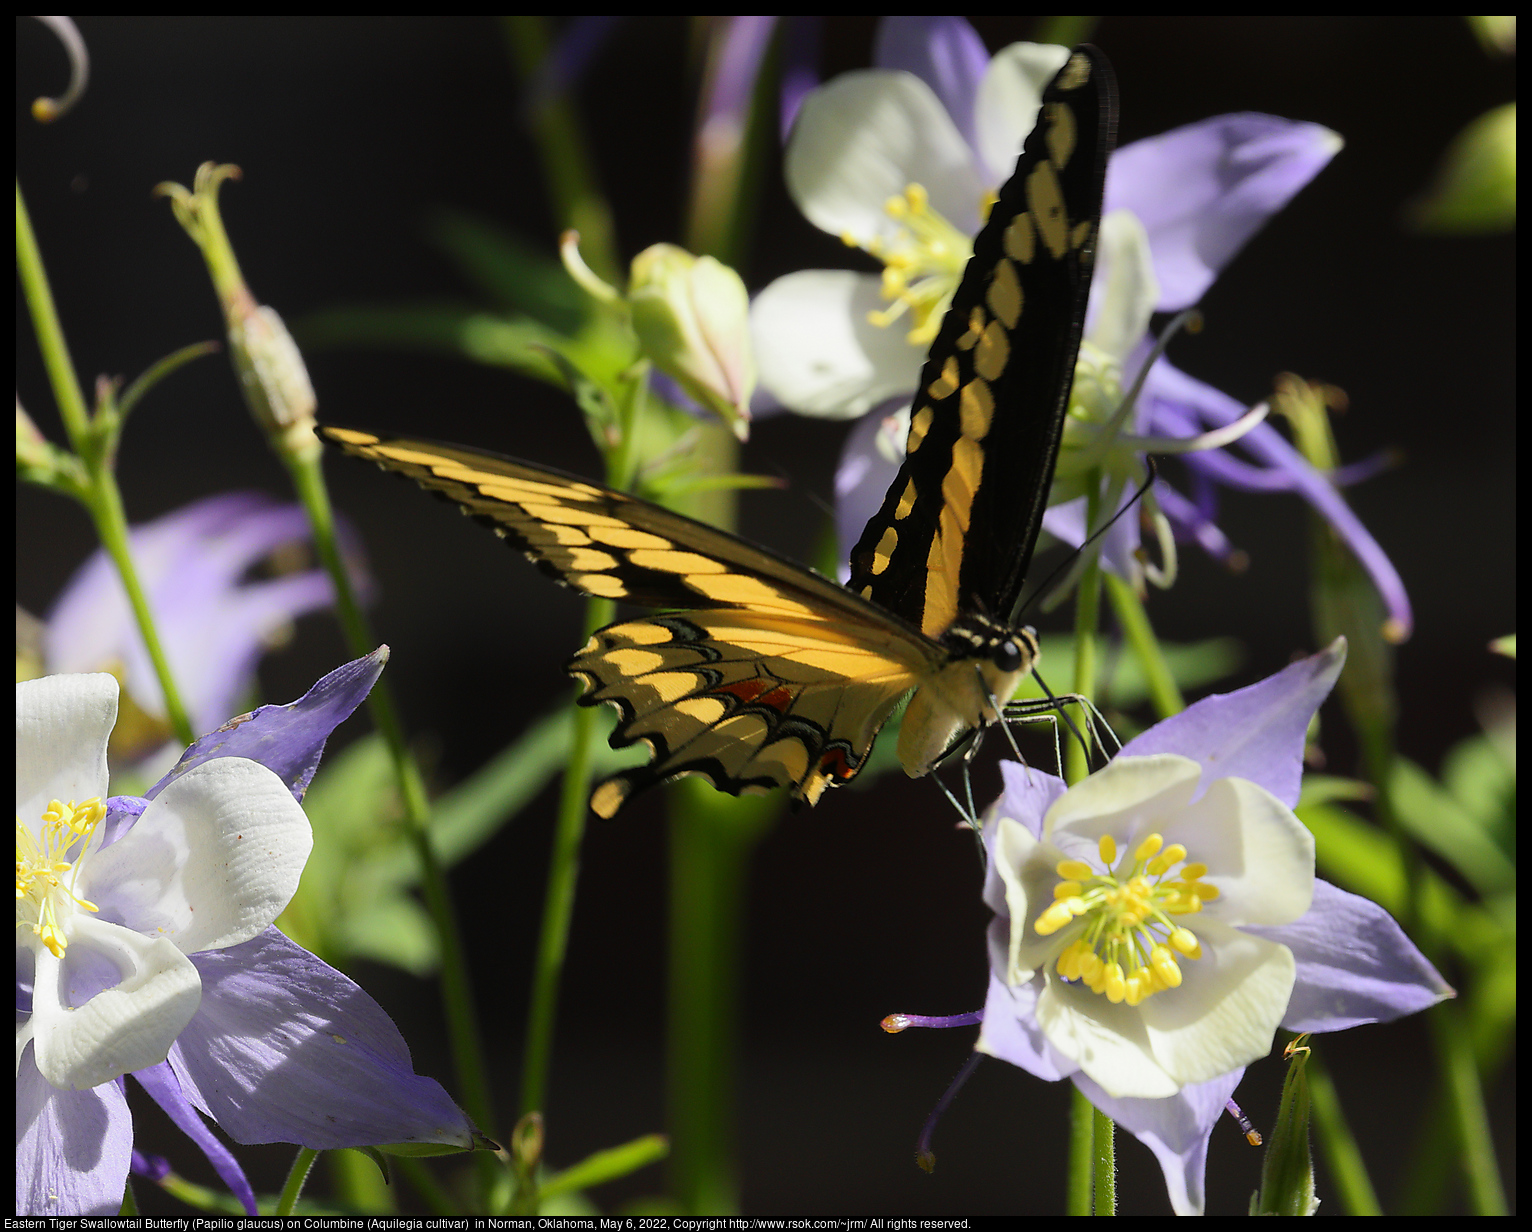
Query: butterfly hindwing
{"type": "Point", "coordinates": [956, 532]}
{"type": "Point", "coordinates": [771, 675]}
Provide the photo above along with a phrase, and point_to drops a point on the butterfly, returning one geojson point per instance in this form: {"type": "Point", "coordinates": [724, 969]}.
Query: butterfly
{"type": "Point", "coordinates": [760, 673]}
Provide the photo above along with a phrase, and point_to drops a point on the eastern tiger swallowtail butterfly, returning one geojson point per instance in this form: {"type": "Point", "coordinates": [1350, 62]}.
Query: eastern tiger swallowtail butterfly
{"type": "Point", "coordinates": [762, 673]}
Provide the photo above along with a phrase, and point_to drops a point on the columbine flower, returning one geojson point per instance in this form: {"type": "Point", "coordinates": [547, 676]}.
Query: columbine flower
{"type": "Point", "coordinates": [1156, 923]}
{"type": "Point", "coordinates": [214, 620]}
{"type": "Point", "coordinates": [903, 163]}
{"type": "Point", "coordinates": [145, 946]}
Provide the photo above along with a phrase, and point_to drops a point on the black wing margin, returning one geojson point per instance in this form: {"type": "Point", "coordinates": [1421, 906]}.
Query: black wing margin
{"type": "Point", "coordinates": [957, 529]}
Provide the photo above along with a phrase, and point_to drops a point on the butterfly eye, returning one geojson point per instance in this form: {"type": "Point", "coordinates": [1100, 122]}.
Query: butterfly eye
{"type": "Point", "coordinates": [1007, 656]}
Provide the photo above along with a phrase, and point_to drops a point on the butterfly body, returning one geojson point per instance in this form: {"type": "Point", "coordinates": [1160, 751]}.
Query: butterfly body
{"type": "Point", "coordinates": [762, 673]}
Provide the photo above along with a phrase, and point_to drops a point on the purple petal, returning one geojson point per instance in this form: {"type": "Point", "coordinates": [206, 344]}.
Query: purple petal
{"type": "Point", "coordinates": [945, 53]}
{"type": "Point", "coordinates": [1355, 965]}
{"type": "Point", "coordinates": [1189, 522]}
{"type": "Point", "coordinates": [1171, 395]}
{"type": "Point", "coordinates": [214, 628]}
{"type": "Point", "coordinates": [1204, 189]}
{"type": "Point", "coordinates": [121, 813]}
{"type": "Point", "coordinates": [1010, 1030]}
{"type": "Point", "coordinates": [287, 1049]}
{"type": "Point", "coordinates": [73, 1148]}
{"type": "Point", "coordinates": [1175, 1129]}
{"type": "Point", "coordinates": [290, 739]}
{"type": "Point", "coordinates": [1254, 733]}
{"type": "Point", "coordinates": [163, 1089]}
{"type": "Point", "coordinates": [745, 40]}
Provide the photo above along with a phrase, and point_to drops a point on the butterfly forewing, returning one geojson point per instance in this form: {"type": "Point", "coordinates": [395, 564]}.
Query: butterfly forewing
{"type": "Point", "coordinates": [956, 531]}
{"type": "Point", "coordinates": [770, 675]}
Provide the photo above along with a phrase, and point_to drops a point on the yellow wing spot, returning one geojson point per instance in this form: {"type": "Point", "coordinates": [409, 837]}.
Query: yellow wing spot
{"type": "Point", "coordinates": [907, 501]}
{"type": "Point", "coordinates": [608, 798]}
{"type": "Point", "coordinates": [583, 559]}
{"type": "Point", "coordinates": [638, 633]}
{"type": "Point", "coordinates": [961, 482]}
{"type": "Point", "coordinates": [1021, 239]}
{"type": "Point", "coordinates": [632, 661]}
{"type": "Point", "coordinates": [1081, 235]}
{"type": "Point", "coordinates": [975, 330]}
{"type": "Point", "coordinates": [671, 687]}
{"type": "Point", "coordinates": [1062, 134]}
{"type": "Point", "coordinates": [993, 351]}
{"type": "Point", "coordinates": [1046, 201]}
{"type": "Point", "coordinates": [787, 761]}
{"type": "Point", "coordinates": [569, 515]}
{"type": "Point", "coordinates": [1076, 72]}
{"type": "Point", "coordinates": [976, 409]}
{"type": "Point", "coordinates": [920, 424]}
{"type": "Point", "coordinates": [668, 560]}
{"type": "Point", "coordinates": [867, 591]}
{"type": "Point", "coordinates": [742, 591]}
{"type": "Point", "coordinates": [627, 537]}
{"type": "Point", "coordinates": [884, 551]}
{"type": "Point", "coordinates": [1004, 295]}
{"type": "Point", "coordinates": [564, 536]}
{"type": "Point", "coordinates": [941, 582]}
{"type": "Point", "coordinates": [705, 710]}
{"type": "Point", "coordinates": [349, 436]}
{"type": "Point", "coordinates": [946, 384]}
{"type": "Point", "coordinates": [603, 585]}
{"type": "Point", "coordinates": [411, 457]}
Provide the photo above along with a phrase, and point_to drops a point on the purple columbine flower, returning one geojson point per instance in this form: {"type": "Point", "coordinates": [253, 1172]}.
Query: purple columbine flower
{"type": "Point", "coordinates": [214, 620]}
{"type": "Point", "coordinates": [900, 161]}
{"type": "Point", "coordinates": [145, 946]}
{"type": "Point", "coordinates": [1156, 923]}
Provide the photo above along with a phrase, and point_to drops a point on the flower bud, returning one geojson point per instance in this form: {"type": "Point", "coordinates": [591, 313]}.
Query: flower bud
{"type": "Point", "coordinates": [692, 318]}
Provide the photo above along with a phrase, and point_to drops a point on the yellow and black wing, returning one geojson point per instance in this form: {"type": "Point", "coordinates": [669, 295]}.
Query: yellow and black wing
{"type": "Point", "coordinates": [768, 674]}
{"type": "Point", "coordinates": [765, 674]}
{"type": "Point", "coordinates": [955, 534]}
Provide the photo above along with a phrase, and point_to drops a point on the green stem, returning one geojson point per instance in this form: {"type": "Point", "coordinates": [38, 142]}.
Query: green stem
{"type": "Point", "coordinates": [297, 1175]}
{"type": "Point", "coordinates": [1465, 1097]}
{"type": "Point", "coordinates": [1134, 622]}
{"type": "Point", "coordinates": [567, 167]}
{"type": "Point", "coordinates": [457, 993]}
{"type": "Point", "coordinates": [95, 444]}
{"type": "Point", "coordinates": [558, 903]}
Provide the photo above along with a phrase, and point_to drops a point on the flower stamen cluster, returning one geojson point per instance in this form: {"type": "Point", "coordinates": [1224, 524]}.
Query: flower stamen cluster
{"type": "Point", "coordinates": [923, 263]}
{"type": "Point", "coordinates": [44, 899]}
{"type": "Point", "coordinates": [1127, 947]}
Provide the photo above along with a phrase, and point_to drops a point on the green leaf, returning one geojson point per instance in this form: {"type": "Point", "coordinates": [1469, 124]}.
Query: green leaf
{"type": "Point", "coordinates": [608, 1165]}
{"type": "Point", "coordinates": [516, 274]}
{"type": "Point", "coordinates": [1440, 822]}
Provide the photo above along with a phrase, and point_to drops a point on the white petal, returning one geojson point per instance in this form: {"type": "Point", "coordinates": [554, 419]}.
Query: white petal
{"type": "Point", "coordinates": [865, 137]}
{"type": "Point", "coordinates": [214, 859]}
{"type": "Point", "coordinates": [62, 726]}
{"type": "Point", "coordinates": [124, 1028]}
{"type": "Point", "coordinates": [1226, 1012]}
{"type": "Point", "coordinates": [1009, 98]}
{"type": "Point", "coordinates": [817, 352]}
{"type": "Point", "coordinates": [1028, 890]}
{"type": "Point", "coordinates": [1109, 1042]}
{"type": "Point", "coordinates": [1129, 798]}
{"type": "Point", "coordinates": [1259, 855]}
{"type": "Point", "coordinates": [1125, 291]}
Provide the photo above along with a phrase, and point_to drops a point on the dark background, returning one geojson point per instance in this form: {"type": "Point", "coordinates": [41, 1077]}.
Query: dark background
{"type": "Point", "coordinates": [352, 134]}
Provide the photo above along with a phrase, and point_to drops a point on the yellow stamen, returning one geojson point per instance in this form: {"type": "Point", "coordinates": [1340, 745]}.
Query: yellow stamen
{"type": "Point", "coordinates": [1124, 944]}
{"type": "Point", "coordinates": [48, 865]}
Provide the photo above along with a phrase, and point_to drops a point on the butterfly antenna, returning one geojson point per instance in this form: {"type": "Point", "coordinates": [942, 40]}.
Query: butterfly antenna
{"type": "Point", "coordinates": [1069, 561]}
